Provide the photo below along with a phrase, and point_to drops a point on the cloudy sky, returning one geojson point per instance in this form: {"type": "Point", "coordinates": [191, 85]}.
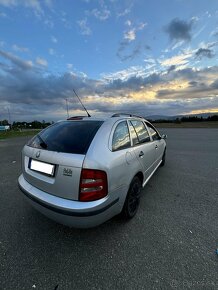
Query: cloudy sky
{"type": "Point", "coordinates": [146, 57]}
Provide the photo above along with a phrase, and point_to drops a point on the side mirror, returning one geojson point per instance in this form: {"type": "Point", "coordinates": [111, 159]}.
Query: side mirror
{"type": "Point", "coordinates": [164, 136]}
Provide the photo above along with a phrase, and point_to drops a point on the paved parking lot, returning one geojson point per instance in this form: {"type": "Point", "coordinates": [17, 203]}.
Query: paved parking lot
{"type": "Point", "coordinates": [170, 244]}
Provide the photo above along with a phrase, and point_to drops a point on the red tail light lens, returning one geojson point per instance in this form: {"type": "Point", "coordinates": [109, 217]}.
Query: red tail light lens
{"type": "Point", "coordinates": [93, 185]}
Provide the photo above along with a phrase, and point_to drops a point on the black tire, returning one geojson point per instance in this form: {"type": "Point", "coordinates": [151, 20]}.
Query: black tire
{"type": "Point", "coordinates": [163, 158]}
{"type": "Point", "coordinates": [132, 199]}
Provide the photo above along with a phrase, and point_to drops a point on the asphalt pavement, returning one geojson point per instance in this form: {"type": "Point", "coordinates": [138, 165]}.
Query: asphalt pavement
{"type": "Point", "coordinates": [170, 244]}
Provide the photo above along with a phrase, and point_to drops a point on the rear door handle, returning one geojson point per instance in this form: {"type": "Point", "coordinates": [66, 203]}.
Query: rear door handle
{"type": "Point", "coordinates": [141, 154]}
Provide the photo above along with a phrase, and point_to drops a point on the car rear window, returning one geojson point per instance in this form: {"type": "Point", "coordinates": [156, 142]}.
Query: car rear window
{"type": "Point", "coordinates": [68, 136]}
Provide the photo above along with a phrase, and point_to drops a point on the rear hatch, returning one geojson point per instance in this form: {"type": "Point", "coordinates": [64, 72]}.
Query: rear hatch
{"type": "Point", "coordinates": [52, 160]}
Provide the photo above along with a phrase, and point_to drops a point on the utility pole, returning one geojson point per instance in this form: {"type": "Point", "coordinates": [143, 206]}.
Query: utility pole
{"type": "Point", "coordinates": [67, 108]}
{"type": "Point", "coordinates": [9, 117]}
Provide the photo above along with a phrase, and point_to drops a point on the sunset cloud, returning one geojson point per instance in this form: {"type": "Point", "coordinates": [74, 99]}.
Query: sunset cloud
{"type": "Point", "coordinates": [117, 55]}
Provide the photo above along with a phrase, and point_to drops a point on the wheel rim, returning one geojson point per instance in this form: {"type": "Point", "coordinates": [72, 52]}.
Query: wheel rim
{"type": "Point", "coordinates": [133, 201]}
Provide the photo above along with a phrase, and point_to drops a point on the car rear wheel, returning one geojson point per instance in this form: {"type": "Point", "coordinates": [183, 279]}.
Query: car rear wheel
{"type": "Point", "coordinates": [133, 198]}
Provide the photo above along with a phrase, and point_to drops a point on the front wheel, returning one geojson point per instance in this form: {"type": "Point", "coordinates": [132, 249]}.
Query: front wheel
{"type": "Point", "coordinates": [163, 158]}
{"type": "Point", "coordinates": [132, 199]}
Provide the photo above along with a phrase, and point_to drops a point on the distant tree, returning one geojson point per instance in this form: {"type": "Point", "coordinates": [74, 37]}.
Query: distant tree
{"type": "Point", "coordinates": [213, 118]}
{"type": "Point", "coordinates": [36, 125]}
{"type": "Point", "coordinates": [177, 121]}
{"type": "Point", "coordinates": [5, 123]}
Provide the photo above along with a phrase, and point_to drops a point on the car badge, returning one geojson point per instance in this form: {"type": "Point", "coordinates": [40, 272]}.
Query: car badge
{"type": "Point", "coordinates": [38, 154]}
{"type": "Point", "coordinates": [67, 172]}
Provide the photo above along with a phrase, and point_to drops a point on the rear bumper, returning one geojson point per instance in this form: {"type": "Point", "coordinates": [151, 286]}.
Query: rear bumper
{"type": "Point", "coordinates": [69, 212]}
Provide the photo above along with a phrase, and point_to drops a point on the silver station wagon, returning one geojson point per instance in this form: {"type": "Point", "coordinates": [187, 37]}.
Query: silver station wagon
{"type": "Point", "coordinates": [83, 171]}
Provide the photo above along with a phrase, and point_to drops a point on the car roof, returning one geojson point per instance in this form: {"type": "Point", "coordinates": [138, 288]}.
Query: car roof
{"type": "Point", "coordinates": [109, 120]}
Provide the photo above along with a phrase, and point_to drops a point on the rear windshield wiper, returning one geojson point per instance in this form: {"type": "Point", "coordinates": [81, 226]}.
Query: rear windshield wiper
{"type": "Point", "coordinates": [42, 144]}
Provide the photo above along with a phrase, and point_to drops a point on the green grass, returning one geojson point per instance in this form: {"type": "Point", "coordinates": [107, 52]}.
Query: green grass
{"type": "Point", "coordinates": [12, 133]}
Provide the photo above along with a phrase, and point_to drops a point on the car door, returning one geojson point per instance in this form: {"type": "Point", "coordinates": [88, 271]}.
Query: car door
{"type": "Point", "coordinates": [142, 145]}
{"type": "Point", "coordinates": [122, 161]}
{"type": "Point", "coordinates": [157, 143]}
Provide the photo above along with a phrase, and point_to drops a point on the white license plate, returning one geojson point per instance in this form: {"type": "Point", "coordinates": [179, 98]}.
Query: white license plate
{"type": "Point", "coordinates": [42, 167]}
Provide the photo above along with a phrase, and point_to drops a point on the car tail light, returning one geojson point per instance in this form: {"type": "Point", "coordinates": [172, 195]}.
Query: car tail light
{"type": "Point", "coordinates": [93, 185]}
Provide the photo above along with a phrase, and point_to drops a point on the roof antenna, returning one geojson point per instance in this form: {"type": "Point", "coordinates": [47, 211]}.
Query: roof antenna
{"type": "Point", "coordinates": [82, 103]}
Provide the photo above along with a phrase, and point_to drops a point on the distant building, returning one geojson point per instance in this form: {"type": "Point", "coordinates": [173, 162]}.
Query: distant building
{"type": "Point", "coordinates": [5, 128]}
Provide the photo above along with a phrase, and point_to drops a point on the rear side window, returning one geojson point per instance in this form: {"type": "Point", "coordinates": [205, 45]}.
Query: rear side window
{"type": "Point", "coordinates": [121, 138]}
{"type": "Point", "coordinates": [141, 131]}
{"type": "Point", "coordinates": [135, 139]}
{"type": "Point", "coordinates": [68, 137]}
{"type": "Point", "coordinates": [154, 134]}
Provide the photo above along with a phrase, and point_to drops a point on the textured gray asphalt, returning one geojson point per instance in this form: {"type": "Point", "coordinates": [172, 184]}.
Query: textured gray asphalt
{"type": "Point", "coordinates": [170, 244]}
